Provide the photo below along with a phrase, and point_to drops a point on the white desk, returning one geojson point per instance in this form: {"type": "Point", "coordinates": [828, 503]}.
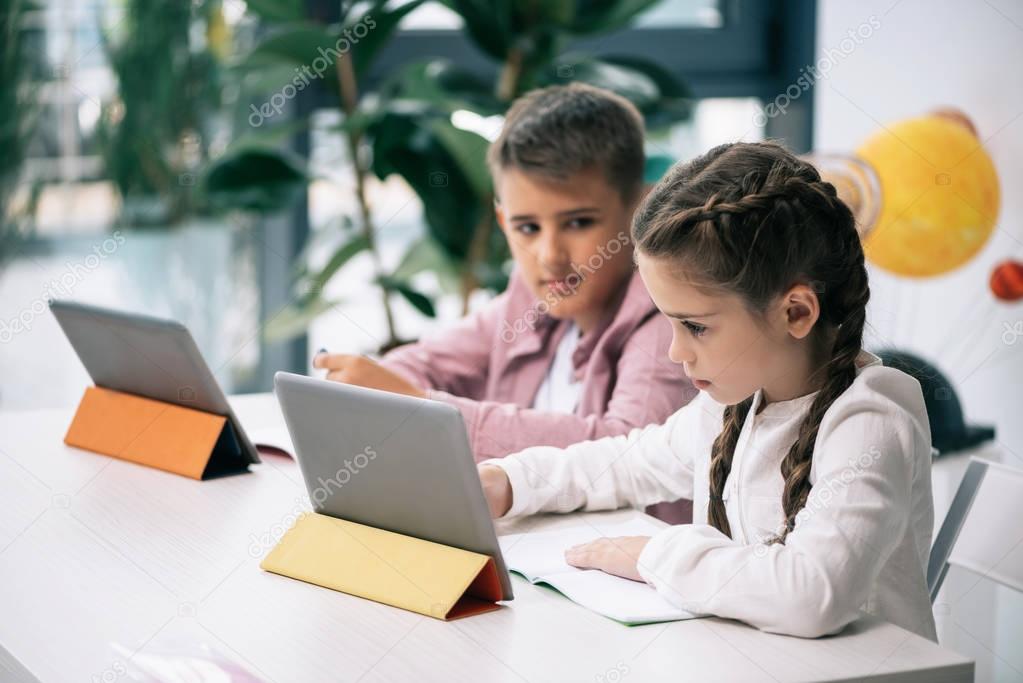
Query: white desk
{"type": "Point", "coordinates": [95, 551]}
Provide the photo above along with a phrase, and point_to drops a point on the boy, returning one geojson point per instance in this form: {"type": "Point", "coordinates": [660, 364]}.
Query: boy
{"type": "Point", "coordinates": [574, 349]}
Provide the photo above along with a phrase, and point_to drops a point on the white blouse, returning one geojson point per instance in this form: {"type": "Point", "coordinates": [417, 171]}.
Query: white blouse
{"type": "Point", "coordinates": [560, 390]}
{"type": "Point", "coordinates": [861, 542]}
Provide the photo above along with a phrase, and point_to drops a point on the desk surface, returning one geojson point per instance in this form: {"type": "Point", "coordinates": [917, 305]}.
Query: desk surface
{"type": "Point", "coordinates": [101, 558]}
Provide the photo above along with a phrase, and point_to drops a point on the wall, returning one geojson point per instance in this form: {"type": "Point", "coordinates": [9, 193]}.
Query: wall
{"type": "Point", "coordinates": [922, 55]}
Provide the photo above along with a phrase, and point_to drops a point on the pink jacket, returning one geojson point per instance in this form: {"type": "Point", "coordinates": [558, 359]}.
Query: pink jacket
{"type": "Point", "coordinates": [491, 364]}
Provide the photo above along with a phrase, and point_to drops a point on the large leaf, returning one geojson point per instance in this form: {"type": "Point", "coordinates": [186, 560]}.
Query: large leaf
{"type": "Point", "coordinates": [529, 15]}
{"type": "Point", "coordinates": [277, 10]}
{"type": "Point", "coordinates": [302, 43]}
{"type": "Point", "coordinates": [425, 255]}
{"type": "Point", "coordinates": [381, 24]}
{"type": "Point", "coordinates": [451, 206]}
{"type": "Point", "coordinates": [469, 151]}
{"type": "Point", "coordinates": [538, 30]}
{"type": "Point", "coordinates": [676, 100]}
{"type": "Point", "coordinates": [371, 109]}
{"type": "Point", "coordinates": [294, 319]}
{"type": "Point", "coordinates": [540, 47]}
{"type": "Point", "coordinates": [443, 85]}
{"type": "Point", "coordinates": [660, 97]}
{"type": "Point", "coordinates": [488, 23]}
{"type": "Point", "coordinates": [317, 46]}
{"type": "Point", "coordinates": [269, 136]}
{"type": "Point", "coordinates": [630, 83]}
{"type": "Point", "coordinates": [255, 179]}
{"type": "Point", "coordinates": [340, 257]}
{"type": "Point", "coordinates": [604, 16]}
{"type": "Point", "coordinates": [259, 77]}
{"type": "Point", "coordinates": [420, 301]}
{"type": "Point", "coordinates": [302, 274]}
{"type": "Point", "coordinates": [667, 83]}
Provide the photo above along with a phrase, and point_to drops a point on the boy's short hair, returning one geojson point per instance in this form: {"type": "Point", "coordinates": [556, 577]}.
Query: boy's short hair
{"type": "Point", "coordinates": [561, 130]}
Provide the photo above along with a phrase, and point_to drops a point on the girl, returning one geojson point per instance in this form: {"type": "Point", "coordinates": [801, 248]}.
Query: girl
{"type": "Point", "coordinates": [808, 461]}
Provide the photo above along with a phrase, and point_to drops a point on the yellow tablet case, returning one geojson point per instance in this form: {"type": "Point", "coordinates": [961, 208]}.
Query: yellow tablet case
{"type": "Point", "coordinates": [166, 436]}
{"type": "Point", "coordinates": [429, 578]}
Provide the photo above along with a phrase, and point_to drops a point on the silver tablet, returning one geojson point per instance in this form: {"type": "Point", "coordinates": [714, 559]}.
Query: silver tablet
{"type": "Point", "coordinates": [154, 358]}
{"type": "Point", "coordinates": [389, 461]}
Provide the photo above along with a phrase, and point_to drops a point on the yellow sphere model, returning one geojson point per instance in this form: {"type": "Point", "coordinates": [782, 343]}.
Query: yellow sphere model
{"type": "Point", "coordinates": [939, 192]}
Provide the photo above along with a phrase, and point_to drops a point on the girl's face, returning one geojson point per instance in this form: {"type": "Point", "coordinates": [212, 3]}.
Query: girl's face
{"type": "Point", "coordinates": [725, 349]}
{"type": "Point", "coordinates": [569, 239]}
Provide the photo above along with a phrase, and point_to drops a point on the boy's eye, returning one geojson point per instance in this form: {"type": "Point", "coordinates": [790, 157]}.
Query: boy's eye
{"type": "Point", "coordinates": [694, 329]}
{"type": "Point", "coordinates": [527, 228]}
{"type": "Point", "coordinates": [581, 223]}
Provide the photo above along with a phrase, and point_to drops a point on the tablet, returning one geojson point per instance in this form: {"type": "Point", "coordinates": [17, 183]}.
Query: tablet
{"type": "Point", "coordinates": [145, 356]}
{"type": "Point", "coordinates": [389, 461]}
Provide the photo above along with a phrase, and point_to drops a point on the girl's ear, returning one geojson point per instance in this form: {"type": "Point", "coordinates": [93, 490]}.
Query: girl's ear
{"type": "Point", "coordinates": [802, 309]}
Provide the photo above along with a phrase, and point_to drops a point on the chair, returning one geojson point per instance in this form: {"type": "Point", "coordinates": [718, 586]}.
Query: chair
{"type": "Point", "coordinates": [983, 530]}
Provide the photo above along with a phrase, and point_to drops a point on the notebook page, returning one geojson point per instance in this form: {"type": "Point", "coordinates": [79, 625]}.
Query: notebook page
{"type": "Point", "coordinates": [542, 553]}
{"type": "Point", "coordinates": [540, 556]}
{"type": "Point", "coordinates": [630, 602]}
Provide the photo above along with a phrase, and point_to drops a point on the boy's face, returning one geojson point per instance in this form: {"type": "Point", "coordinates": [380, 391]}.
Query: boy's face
{"type": "Point", "coordinates": [725, 349]}
{"type": "Point", "coordinates": [569, 239]}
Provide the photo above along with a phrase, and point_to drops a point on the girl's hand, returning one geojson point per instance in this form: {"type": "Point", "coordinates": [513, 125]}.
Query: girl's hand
{"type": "Point", "coordinates": [364, 372]}
{"type": "Point", "coordinates": [616, 556]}
{"type": "Point", "coordinates": [496, 488]}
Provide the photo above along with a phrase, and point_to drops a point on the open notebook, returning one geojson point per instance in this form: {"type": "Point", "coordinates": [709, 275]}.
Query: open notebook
{"type": "Point", "coordinates": [272, 440]}
{"type": "Point", "coordinates": [539, 557]}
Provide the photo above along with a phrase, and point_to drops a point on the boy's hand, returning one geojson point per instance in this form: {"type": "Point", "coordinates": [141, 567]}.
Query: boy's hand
{"type": "Point", "coordinates": [496, 488]}
{"type": "Point", "coordinates": [364, 372]}
{"type": "Point", "coordinates": [616, 556]}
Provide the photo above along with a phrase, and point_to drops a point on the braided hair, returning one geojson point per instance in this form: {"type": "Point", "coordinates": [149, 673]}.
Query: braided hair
{"type": "Point", "coordinates": [755, 220]}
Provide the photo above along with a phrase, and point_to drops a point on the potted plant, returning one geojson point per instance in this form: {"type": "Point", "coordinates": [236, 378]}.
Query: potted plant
{"type": "Point", "coordinates": [18, 116]}
{"type": "Point", "coordinates": [424, 123]}
{"type": "Point", "coordinates": [155, 133]}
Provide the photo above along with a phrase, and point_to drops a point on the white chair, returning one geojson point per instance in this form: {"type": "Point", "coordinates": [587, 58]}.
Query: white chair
{"type": "Point", "coordinates": [983, 530]}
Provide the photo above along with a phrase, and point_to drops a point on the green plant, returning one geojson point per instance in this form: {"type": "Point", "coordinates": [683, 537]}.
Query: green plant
{"type": "Point", "coordinates": [18, 116]}
{"type": "Point", "coordinates": [422, 123]}
{"type": "Point", "coordinates": [264, 178]}
{"type": "Point", "coordinates": [155, 134]}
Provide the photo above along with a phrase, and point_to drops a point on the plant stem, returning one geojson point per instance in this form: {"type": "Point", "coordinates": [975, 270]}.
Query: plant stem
{"type": "Point", "coordinates": [507, 88]}
{"type": "Point", "coordinates": [349, 98]}
{"type": "Point", "coordinates": [511, 74]}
